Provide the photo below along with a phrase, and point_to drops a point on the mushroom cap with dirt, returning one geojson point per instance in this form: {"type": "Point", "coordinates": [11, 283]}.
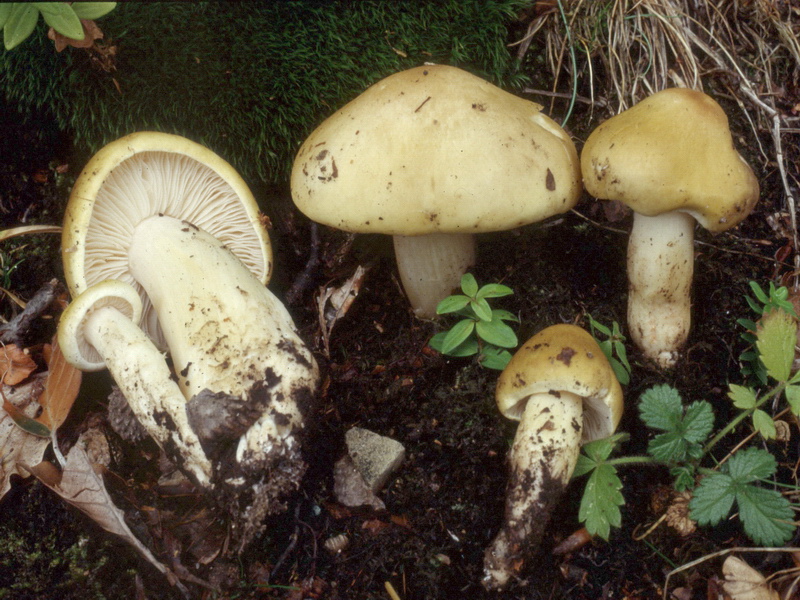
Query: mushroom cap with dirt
{"type": "Point", "coordinates": [243, 378]}
{"type": "Point", "coordinates": [672, 160]}
{"type": "Point", "coordinates": [431, 156]}
{"type": "Point", "coordinates": [561, 388]}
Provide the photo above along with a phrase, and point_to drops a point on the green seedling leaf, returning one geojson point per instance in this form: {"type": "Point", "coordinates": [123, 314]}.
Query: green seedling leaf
{"type": "Point", "coordinates": [61, 17]}
{"type": "Point", "coordinates": [93, 10]}
{"type": "Point", "coordinates": [451, 304]}
{"type": "Point", "coordinates": [468, 347]}
{"type": "Point", "coordinates": [764, 424]}
{"type": "Point", "coordinates": [760, 294]}
{"type": "Point", "coordinates": [468, 285]}
{"type": "Point", "coordinates": [793, 398]}
{"type": "Point", "coordinates": [619, 371]}
{"type": "Point", "coordinates": [683, 477]}
{"type": "Point", "coordinates": [504, 315]}
{"type": "Point", "coordinates": [496, 332]}
{"type": "Point", "coordinates": [481, 309]}
{"type": "Point", "coordinates": [743, 397]}
{"type": "Point", "coordinates": [5, 11]}
{"type": "Point", "coordinates": [494, 290]}
{"type": "Point", "coordinates": [601, 500]}
{"type": "Point", "coordinates": [20, 24]}
{"type": "Point", "coordinates": [460, 332]}
{"type": "Point", "coordinates": [494, 358]}
{"type": "Point", "coordinates": [777, 334]}
{"type": "Point", "coordinates": [682, 438]}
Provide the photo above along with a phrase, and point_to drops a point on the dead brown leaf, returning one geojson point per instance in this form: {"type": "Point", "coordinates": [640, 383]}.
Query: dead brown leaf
{"type": "Point", "coordinates": [15, 364]}
{"type": "Point", "coordinates": [18, 446]}
{"type": "Point", "coordinates": [61, 389]}
{"type": "Point", "coordinates": [333, 304]}
{"type": "Point", "coordinates": [743, 582]}
{"type": "Point", "coordinates": [91, 32]}
{"type": "Point", "coordinates": [82, 487]}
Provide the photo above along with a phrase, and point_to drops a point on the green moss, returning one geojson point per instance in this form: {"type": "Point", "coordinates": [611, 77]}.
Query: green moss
{"type": "Point", "coordinates": [250, 80]}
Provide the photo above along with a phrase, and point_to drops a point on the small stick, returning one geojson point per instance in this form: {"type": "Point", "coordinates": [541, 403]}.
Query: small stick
{"type": "Point", "coordinates": [13, 331]}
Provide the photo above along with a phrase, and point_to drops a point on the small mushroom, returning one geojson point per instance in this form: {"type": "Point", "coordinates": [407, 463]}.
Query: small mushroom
{"type": "Point", "coordinates": [175, 221]}
{"type": "Point", "coordinates": [562, 390]}
{"type": "Point", "coordinates": [671, 159]}
{"type": "Point", "coordinates": [431, 156]}
{"type": "Point", "coordinates": [99, 330]}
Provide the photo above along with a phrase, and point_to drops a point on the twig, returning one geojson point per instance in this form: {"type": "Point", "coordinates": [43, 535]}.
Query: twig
{"type": "Point", "coordinates": [13, 331]}
{"type": "Point", "coordinates": [304, 279]}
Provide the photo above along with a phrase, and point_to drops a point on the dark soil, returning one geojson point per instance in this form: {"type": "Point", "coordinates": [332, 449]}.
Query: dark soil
{"type": "Point", "coordinates": [445, 503]}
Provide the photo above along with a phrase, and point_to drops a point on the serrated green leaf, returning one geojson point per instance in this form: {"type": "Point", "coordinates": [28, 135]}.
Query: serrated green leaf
{"type": "Point", "coordinates": [743, 397]}
{"type": "Point", "coordinates": [468, 285]}
{"type": "Point", "coordinates": [698, 421]}
{"type": "Point", "coordinates": [494, 290]}
{"type": "Point", "coordinates": [766, 515]}
{"type": "Point", "coordinates": [776, 337]}
{"type": "Point", "coordinates": [93, 10]}
{"type": "Point", "coordinates": [5, 11]}
{"type": "Point", "coordinates": [668, 447]}
{"type": "Point", "coordinates": [457, 334]}
{"type": "Point", "coordinates": [793, 398]}
{"type": "Point", "coordinates": [599, 450]}
{"type": "Point", "coordinates": [764, 424]}
{"type": "Point", "coordinates": [601, 500]}
{"type": "Point", "coordinates": [451, 304]}
{"type": "Point", "coordinates": [61, 17]}
{"type": "Point", "coordinates": [496, 332]}
{"type": "Point", "coordinates": [660, 407]}
{"type": "Point", "coordinates": [712, 499]}
{"type": "Point", "coordinates": [481, 309]}
{"type": "Point", "coordinates": [20, 24]}
{"type": "Point", "coordinates": [683, 477]}
{"type": "Point", "coordinates": [751, 464]}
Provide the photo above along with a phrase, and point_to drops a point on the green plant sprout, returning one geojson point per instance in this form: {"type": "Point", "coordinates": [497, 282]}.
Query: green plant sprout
{"type": "Point", "coordinates": [684, 442]}
{"type": "Point", "coordinates": [765, 301]}
{"type": "Point", "coordinates": [18, 19]}
{"type": "Point", "coordinates": [614, 344]}
{"type": "Point", "coordinates": [482, 330]}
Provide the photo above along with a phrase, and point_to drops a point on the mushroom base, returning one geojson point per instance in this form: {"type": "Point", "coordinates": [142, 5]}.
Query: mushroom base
{"type": "Point", "coordinates": [542, 459]}
{"type": "Point", "coordinates": [431, 266]}
{"type": "Point", "coordinates": [660, 269]}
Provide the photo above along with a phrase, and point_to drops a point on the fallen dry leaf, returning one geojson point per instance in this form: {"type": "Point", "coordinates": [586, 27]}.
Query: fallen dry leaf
{"type": "Point", "coordinates": [18, 446]}
{"type": "Point", "coordinates": [15, 364]}
{"type": "Point", "coordinates": [82, 487]}
{"type": "Point", "coordinates": [91, 32]}
{"type": "Point", "coordinates": [61, 389]}
{"type": "Point", "coordinates": [333, 303]}
{"type": "Point", "coordinates": [743, 582]}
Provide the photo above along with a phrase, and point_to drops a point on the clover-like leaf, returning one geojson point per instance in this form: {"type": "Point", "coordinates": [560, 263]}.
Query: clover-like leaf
{"type": "Point", "coordinates": [742, 397]}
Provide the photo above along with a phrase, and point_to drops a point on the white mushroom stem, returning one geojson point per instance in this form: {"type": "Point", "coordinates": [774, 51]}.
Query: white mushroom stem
{"type": "Point", "coordinates": [94, 323]}
{"type": "Point", "coordinates": [542, 459]}
{"type": "Point", "coordinates": [226, 332]}
{"type": "Point", "coordinates": [431, 266]}
{"type": "Point", "coordinates": [660, 269]}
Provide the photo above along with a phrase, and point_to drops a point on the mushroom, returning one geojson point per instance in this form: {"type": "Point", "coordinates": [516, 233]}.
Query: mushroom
{"type": "Point", "coordinates": [431, 156]}
{"type": "Point", "coordinates": [99, 330]}
{"type": "Point", "coordinates": [563, 391]}
{"type": "Point", "coordinates": [671, 159]}
{"type": "Point", "coordinates": [178, 223]}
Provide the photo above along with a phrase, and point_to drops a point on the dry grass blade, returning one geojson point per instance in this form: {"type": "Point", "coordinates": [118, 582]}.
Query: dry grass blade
{"type": "Point", "coordinates": [7, 234]}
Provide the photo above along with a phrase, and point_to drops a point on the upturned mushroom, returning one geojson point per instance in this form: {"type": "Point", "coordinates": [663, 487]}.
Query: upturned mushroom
{"type": "Point", "coordinates": [564, 393]}
{"type": "Point", "coordinates": [670, 158]}
{"type": "Point", "coordinates": [177, 222]}
{"type": "Point", "coordinates": [431, 156]}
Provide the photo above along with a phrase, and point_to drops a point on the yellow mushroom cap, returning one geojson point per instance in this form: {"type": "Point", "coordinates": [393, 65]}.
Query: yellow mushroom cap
{"type": "Point", "coordinates": [435, 149]}
{"type": "Point", "coordinates": [563, 358]}
{"type": "Point", "coordinates": [146, 174]}
{"type": "Point", "coordinates": [671, 151]}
